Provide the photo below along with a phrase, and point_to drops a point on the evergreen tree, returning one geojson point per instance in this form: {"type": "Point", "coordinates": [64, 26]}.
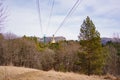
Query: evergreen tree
{"type": "Point", "coordinates": [91, 59]}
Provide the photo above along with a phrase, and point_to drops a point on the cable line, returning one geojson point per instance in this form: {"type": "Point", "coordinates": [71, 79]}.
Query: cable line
{"type": "Point", "coordinates": [39, 14]}
{"type": "Point", "coordinates": [51, 11]}
{"type": "Point", "coordinates": [77, 3]}
{"type": "Point", "coordinates": [76, 6]}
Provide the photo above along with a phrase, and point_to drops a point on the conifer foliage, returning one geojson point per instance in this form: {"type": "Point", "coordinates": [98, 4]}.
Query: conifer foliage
{"type": "Point", "coordinates": [91, 59]}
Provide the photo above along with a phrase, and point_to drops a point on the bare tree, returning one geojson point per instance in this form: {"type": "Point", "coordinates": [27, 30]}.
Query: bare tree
{"type": "Point", "coordinates": [116, 37]}
{"type": "Point", "coordinates": [10, 36]}
{"type": "Point", "coordinates": [2, 13]}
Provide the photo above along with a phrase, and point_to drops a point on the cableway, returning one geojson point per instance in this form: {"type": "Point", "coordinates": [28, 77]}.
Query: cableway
{"type": "Point", "coordinates": [39, 14]}
{"type": "Point", "coordinates": [69, 14]}
{"type": "Point", "coordinates": [76, 4]}
{"type": "Point", "coordinates": [50, 15]}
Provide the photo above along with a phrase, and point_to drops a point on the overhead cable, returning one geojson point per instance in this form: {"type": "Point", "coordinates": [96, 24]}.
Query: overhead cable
{"type": "Point", "coordinates": [39, 14]}
{"type": "Point", "coordinates": [77, 3]}
{"type": "Point", "coordinates": [51, 11]}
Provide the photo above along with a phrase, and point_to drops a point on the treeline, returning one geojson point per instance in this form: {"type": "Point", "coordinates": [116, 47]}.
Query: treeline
{"type": "Point", "coordinates": [86, 56]}
{"type": "Point", "coordinates": [112, 65]}
{"type": "Point", "coordinates": [63, 56]}
{"type": "Point", "coordinates": [28, 52]}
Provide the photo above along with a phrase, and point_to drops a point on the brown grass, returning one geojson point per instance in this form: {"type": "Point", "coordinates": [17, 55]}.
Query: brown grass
{"type": "Point", "coordinates": [20, 73]}
{"type": "Point", "coordinates": [111, 77]}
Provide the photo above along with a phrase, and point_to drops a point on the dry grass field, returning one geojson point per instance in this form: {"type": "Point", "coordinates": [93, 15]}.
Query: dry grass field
{"type": "Point", "coordinates": [20, 73]}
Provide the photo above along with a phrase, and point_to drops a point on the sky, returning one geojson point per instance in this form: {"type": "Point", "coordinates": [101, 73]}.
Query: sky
{"type": "Point", "coordinates": [23, 17]}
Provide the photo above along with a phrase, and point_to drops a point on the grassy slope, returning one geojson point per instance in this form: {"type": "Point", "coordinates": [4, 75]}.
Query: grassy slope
{"type": "Point", "coordinates": [20, 73]}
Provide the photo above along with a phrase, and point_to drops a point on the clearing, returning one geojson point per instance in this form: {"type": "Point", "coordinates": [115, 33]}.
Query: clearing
{"type": "Point", "coordinates": [21, 73]}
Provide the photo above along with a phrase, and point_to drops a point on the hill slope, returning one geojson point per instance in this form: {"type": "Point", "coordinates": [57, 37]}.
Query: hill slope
{"type": "Point", "coordinates": [20, 73]}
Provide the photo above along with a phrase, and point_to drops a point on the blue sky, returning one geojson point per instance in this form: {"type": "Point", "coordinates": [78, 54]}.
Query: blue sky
{"type": "Point", "coordinates": [23, 17]}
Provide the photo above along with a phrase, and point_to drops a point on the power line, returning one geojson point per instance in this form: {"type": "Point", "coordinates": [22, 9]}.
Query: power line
{"type": "Point", "coordinates": [51, 11]}
{"type": "Point", "coordinates": [76, 7]}
{"type": "Point", "coordinates": [70, 12]}
{"type": "Point", "coordinates": [67, 16]}
{"type": "Point", "coordinates": [39, 14]}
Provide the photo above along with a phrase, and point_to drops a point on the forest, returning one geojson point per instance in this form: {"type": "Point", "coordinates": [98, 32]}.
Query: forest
{"type": "Point", "coordinates": [87, 55]}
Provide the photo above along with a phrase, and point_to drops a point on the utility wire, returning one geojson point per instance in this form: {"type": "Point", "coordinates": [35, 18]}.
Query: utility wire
{"type": "Point", "coordinates": [51, 11]}
{"type": "Point", "coordinates": [76, 7]}
{"type": "Point", "coordinates": [39, 14]}
{"type": "Point", "coordinates": [70, 13]}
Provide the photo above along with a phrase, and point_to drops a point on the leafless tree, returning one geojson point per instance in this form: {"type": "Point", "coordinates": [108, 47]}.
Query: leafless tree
{"type": "Point", "coordinates": [116, 37]}
{"type": "Point", "coordinates": [10, 36]}
{"type": "Point", "coordinates": [3, 14]}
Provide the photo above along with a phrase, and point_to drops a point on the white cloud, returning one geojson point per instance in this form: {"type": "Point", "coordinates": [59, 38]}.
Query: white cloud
{"type": "Point", "coordinates": [24, 17]}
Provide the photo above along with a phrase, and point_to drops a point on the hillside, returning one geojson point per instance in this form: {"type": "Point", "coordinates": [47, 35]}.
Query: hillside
{"type": "Point", "coordinates": [20, 73]}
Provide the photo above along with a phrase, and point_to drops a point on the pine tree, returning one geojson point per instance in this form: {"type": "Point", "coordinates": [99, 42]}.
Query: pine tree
{"type": "Point", "coordinates": [91, 58]}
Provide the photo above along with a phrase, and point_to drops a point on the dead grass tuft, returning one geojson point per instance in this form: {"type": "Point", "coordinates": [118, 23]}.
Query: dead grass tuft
{"type": "Point", "coordinates": [110, 77]}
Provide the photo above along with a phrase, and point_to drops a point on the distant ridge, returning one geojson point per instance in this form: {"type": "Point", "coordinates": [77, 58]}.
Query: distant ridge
{"type": "Point", "coordinates": [105, 40]}
{"type": "Point", "coordinates": [48, 39]}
